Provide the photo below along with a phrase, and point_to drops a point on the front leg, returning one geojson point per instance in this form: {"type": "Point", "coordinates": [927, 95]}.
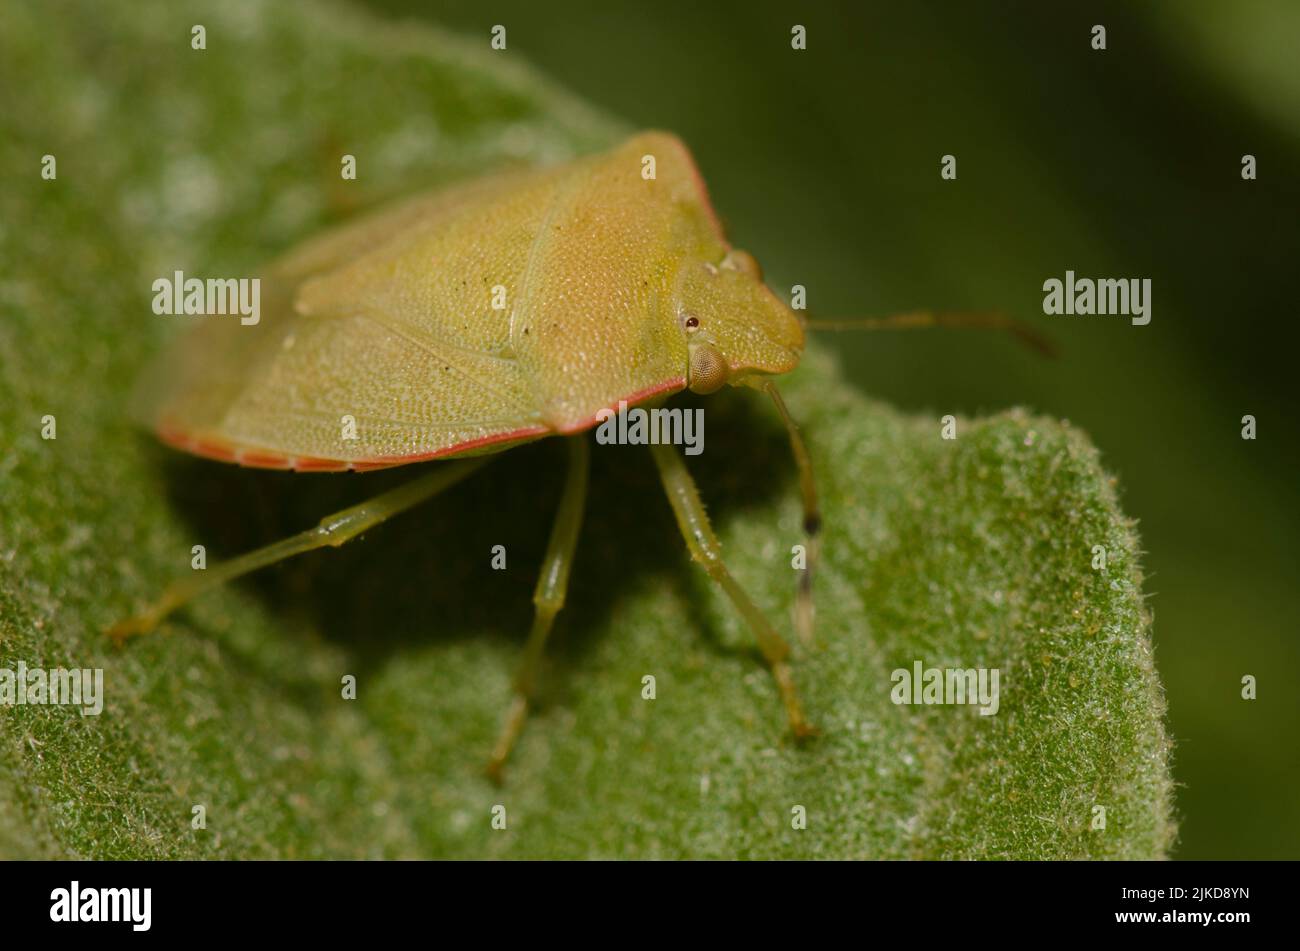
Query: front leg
{"type": "Point", "coordinates": [707, 553]}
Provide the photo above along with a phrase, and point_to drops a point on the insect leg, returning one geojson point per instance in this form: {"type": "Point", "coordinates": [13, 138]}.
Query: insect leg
{"type": "Point", "coordinates": [804, 608]}
{"type": "Point", "coordinates": [548, 597]}
{"type": "Point", "coordinates": [333, 530]}
{"type": "Point", "coordinates": [705, 549]}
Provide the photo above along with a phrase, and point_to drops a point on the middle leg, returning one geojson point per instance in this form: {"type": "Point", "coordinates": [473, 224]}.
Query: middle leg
{"type": "Point", "coordinates": [548, 597]}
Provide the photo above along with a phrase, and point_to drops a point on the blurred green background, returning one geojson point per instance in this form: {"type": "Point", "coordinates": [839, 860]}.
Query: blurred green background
{"type": "Point", "coordinates": [1122, 163]}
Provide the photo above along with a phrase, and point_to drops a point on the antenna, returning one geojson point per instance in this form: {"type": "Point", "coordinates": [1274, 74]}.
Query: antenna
{"type": "Point", "coordinates": [918, 319]}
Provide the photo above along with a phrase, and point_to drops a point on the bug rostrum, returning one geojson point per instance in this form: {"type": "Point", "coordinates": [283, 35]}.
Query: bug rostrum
{"type": "Point", "coordinates": [380, 345]}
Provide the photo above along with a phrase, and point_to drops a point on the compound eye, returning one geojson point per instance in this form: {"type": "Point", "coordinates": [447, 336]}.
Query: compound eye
{"type": "Point", "coordinates": [708, 369]}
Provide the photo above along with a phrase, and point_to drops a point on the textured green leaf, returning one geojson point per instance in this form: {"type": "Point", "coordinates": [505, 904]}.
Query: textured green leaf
{"type": "Point", "coordinates": [974, 552]}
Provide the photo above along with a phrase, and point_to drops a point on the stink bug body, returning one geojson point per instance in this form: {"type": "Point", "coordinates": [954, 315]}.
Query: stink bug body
{"type": "Point", "coordinates": [615, 288]}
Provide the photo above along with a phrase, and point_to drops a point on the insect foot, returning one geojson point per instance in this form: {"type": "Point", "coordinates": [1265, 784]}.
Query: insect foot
{"type": "Point", "coordinates": [131, 627]}
{"type": "Point", "coordinates": [799, 724]}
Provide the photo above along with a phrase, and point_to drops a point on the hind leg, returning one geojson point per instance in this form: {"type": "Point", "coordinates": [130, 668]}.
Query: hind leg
{"type": "Point", "coordinates": [333, 530]}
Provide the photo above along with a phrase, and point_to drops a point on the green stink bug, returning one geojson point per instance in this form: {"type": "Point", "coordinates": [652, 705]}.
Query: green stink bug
{"type": "Point", "coordinates": [464, 322]}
